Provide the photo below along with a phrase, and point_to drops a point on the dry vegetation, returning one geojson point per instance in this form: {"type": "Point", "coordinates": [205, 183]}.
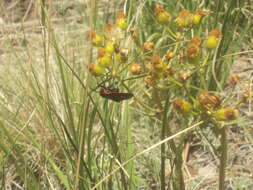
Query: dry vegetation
{"type": "Point", "coordinates": [21, 47]}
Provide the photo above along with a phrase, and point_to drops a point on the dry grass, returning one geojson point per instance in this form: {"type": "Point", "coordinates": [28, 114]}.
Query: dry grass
{"type": "Point", "coordinates": [21, 46]}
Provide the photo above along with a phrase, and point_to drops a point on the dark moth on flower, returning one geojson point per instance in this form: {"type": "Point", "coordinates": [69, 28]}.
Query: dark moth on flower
{"type": "Point", "coordinates": [114, 94]}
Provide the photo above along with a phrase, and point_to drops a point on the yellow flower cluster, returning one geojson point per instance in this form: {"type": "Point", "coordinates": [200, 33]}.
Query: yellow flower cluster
{"type": "Point", "coordinates": [109, 52]}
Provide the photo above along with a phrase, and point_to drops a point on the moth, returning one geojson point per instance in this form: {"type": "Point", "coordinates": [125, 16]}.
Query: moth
{"type": "Point", "coordinates": [114, 94]}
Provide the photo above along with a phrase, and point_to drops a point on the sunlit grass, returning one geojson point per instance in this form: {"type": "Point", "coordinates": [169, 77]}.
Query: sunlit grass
{"type": "Point", "coordinates": [56, 132]}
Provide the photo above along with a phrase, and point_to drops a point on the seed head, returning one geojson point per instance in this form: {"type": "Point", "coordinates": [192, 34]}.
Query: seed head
{"type": "Point", "coordinates": [135, 69]}
{"type": "Point", "coordinates": [226, 114]}
{"type": "Point", "coordinates": [169, 55]}
{"type": "Point", "coordinates": [149, 80]}
{"type": "Point", "coordinates": [148, 46]}
{"type": "Point", "coordinates": [215, 32]}
{"type": "Point", "coordinates": [184, 75]}
{"type": "Point", "coordinates": [157, 63]}
{"type": "Point", "coordinates": [208, 100]}
{"type": "Point", "coordinates": [184, 19]}
{"type": "Point", "coordinates": [234, 79]}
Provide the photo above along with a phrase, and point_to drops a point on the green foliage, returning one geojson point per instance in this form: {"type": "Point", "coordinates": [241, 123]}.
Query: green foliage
{"type": "Point", "coordinates": [56, 132]}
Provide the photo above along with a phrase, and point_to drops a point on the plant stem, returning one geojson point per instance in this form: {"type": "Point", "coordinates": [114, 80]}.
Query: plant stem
{"type": "Point", "coordinates": [163, 133]}
{"type": "Point", "coordinates": [163, 136]}
{"type": "Point", "coordinates": [178, 179]}
{"type": "Point", "coordinates": [223, 159]}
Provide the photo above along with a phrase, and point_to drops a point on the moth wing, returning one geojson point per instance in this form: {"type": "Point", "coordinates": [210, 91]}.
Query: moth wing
{"type": "Point", "coordinates": [120, 96]}
{"type": "Point", "coordinates": [114, 95]}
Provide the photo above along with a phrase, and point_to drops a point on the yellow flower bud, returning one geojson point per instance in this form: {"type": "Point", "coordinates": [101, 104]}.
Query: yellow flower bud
{"type": "Point", "coordinates": [196, 19]}
{"type": "Point", "coordinates": [199, 14]}
{"type": "Point", "coordinates": [105, 61]}
{"type": "Point", "coordinates": [211, 42]}
{"type": "Point", "coordinates": [180, 22]}
{"type": "Point", "coordinates": [97, 40]}
{"type": "Point", "coordinates": [121, 23]}
{"type": "Point", "coordinates": [121, 20]}
{"type": "Point", "coordinates": [95, 70]}
{"type": "Point", "coordinates": [163, 17]}
{"type": "Point", "coordinates": [109, 48]}
{"type": "Point", "coordinates": [226, 114]}
{"type": "Point", "coordinates": [182, 105]}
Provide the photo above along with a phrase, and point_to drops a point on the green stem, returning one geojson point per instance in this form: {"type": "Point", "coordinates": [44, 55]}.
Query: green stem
{"type": "Point", "coordinates": [178, 179]}
{"type": "Point", "coordinates": [163, 135]}
{"type": "Point", "coordinates": [223, 159]}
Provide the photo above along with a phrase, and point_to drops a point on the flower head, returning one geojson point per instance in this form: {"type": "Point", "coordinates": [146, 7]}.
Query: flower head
{"type": "Point", "coordinates": [169, 55]}
{"type": "Point", "coordinates": [121, 21]}
{"type": "Point", "coordinates": [96, 39]}
{"type": "Point", "coordinates": [208, 100]}
{"type": "Point", "coordinates": [199, 14]}
{"type": "Point", "coordinates": [184, 19]}
{"type": "Point", "coordinates": [95, 70]}
{"type": "Point", "coordinates": [105, 61]}
{"type": "Point", "coordinates": [182, 105]}
{"type": "Point", "coordinates": [157, 63]}
{"type": "Point", "coordinates": [148, 46]}
{"type": "Point", "coordinates": [110, 47]}
{"type": "Point", "coordinates": [226, 114]}
{"type": "Point", "coordinates": [215, 32]}
{"type": "Point", "coordinates": [192, 51]}
{"type": "Point", "coordinates": [135, 69]}
{"type": "Point", "coordinates": [213, 39]}
{"type": "Point", "coordinates": [162, 16]}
